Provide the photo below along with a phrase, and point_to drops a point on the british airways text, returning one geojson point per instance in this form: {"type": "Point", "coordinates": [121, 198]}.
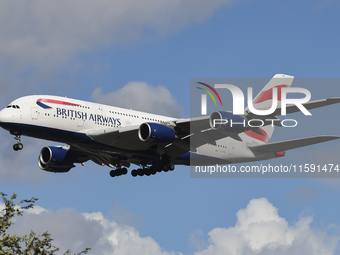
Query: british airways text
{"type": "Point", "coordinates": [86, 116]}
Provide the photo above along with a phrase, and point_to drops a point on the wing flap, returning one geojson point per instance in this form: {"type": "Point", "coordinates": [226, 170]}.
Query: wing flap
{"type": "Point", "coordinates": [292, 144]}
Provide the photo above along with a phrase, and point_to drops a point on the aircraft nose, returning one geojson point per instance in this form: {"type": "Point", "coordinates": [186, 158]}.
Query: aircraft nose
{"type": "Point", "coordinates": [2, 116]}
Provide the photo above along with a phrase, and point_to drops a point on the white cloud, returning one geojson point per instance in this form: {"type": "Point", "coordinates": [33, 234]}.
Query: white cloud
{"type": "Point", "coordinates": [260, 230]}
{"type": "Point", "coordinates": [141, 96]}
{"type": "Point", "coordinates": [73, 230]}
{"type": "Point", "coordinates": [41, 40]}
{"type": "Point", "coordinates": [48, 33]}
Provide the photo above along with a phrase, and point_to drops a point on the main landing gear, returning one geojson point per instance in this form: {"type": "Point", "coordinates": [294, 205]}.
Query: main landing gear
{"type": "Point", "coordinates": [118, 172]}
{"type": "Point", "coordinates": [152, 170]}
{"type": "Point", "coordinates": [145, 170]}
{"type": "Point", "coordinates": [18, 146]}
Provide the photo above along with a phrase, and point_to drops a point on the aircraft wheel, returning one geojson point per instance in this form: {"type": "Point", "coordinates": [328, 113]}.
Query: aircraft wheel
{"type": "Point", "coordinates": [140, 171]}
{"type": "Point", "coordinates": [148, 172]}
{"type": "Point", "coordinates": [134, 173]}
{"type": "Point", "coordinates": [124, 170]}
{"type": "Point", "coordinates": [18, 146]}
{"type": "Point", "coordinates": [153, 171]}
{"type": "Point", "coordinates": [113, 173]}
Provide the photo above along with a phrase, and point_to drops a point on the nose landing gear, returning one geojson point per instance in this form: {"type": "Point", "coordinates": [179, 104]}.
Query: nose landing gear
{"type": "Point", "coordinates": [18, 146]}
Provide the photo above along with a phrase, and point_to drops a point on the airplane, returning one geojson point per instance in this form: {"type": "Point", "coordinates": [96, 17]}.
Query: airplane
{"type": "Point", "coordinates": [117, 137]}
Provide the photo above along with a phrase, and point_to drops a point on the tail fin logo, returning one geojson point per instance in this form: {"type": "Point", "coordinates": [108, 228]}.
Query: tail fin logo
{"type": "Point", "coordinates": [268, 94]}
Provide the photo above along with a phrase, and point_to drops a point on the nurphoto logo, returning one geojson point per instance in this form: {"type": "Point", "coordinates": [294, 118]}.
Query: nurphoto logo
{"type": "Point", "coordinates": [268, 104]}
{"type": "Point", "coordinates": [278, 93]}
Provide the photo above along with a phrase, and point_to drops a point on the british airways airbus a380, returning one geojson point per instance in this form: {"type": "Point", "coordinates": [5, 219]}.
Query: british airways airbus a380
{"type": "Point", "coordinates": [119, 137]}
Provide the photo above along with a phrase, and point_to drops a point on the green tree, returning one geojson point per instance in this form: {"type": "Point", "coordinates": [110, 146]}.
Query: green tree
{"type": "Point", "coordinates": [31, 244]}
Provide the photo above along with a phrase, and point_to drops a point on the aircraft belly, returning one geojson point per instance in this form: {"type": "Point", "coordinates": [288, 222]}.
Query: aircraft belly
{"type": "Point", "coordinates": [231, 151]}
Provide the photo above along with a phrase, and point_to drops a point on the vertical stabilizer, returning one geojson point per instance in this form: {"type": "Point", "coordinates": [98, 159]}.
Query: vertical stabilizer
{"type": "Point", "coordinates": [264, 101]}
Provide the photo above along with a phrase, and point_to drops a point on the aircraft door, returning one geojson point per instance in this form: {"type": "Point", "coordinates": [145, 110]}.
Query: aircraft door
{"type": "Point", "coordinates": [231, 149]}
{"type": "Point", "coordinates": [80, 122]}
{"type": "Point", "coordinates": [99, 112]}
{"type": "Point", "coordinates": [34, 112]}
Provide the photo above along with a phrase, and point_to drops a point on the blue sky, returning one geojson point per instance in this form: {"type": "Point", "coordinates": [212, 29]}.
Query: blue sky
{"type": "Point", "coordinates": [93, 51]}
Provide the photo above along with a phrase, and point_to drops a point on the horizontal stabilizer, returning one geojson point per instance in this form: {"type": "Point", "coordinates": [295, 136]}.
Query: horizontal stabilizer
{"type": "Point", "coordinates": [292, 144]}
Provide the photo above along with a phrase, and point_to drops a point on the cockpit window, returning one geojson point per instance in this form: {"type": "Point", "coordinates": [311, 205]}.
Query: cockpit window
{"type": "Point", "coordinates": [13, 106]}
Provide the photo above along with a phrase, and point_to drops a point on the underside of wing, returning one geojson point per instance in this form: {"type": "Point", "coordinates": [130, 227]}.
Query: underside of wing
{"type": "Point", "coordinates": [193, 133]}
{"type": "Point", "coordinates": [124, 138]}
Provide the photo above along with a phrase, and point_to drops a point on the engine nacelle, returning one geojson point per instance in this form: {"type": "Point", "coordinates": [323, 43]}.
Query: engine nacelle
{"type": "Point", "coordinates": [227, 122]}
{"type": "Point", "coordinates": [154, 132]}
{"type": "Point", "coordinates": [54, 159]}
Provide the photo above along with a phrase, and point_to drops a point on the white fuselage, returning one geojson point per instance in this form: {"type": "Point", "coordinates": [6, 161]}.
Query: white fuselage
{"type": "Point", "coordinates": [53, 117]}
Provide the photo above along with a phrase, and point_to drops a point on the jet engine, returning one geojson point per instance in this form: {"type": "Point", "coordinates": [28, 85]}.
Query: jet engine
{"type": "Point", "coordinates": [55, 159]}
{"type": "Point", "coordinates": [154, 132]}
{"type": "Point", "coordinates": [227, 122]}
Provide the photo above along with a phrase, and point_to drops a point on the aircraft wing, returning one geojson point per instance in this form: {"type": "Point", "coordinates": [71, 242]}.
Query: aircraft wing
{"type": "Point", "coordinates": [292, 144]}
{"type": "Point", "coordinates": [194, 140]}
{"type": "Point", "coordinates": [191, 124]}
{"type": "Point", "coordinates": [123, 138]}
{"type": "Point", "coordinates": [190, 134]}
{"type": "Point", "coordinates": [193, 133]}
{"type": "Point", "coordinates": [104, 153]}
